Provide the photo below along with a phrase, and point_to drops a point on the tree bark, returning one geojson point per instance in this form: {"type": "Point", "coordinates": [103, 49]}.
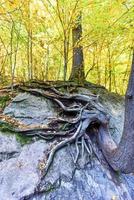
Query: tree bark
{"type": "Point", "coordinates": [121, 156]}
{"type": "Point", "coordinates": [77, 73]}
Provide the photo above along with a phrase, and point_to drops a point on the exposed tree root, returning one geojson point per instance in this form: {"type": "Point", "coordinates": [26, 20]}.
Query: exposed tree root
{"type": "Point", "coordinates": [84, 111]}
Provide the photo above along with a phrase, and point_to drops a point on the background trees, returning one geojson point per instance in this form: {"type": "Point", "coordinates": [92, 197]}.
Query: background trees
{"type": "Point", "coordinates": [36, 40]}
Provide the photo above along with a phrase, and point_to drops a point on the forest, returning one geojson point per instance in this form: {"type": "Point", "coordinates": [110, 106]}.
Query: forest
{"type": "Point", "coordinates": [67, 99]}
{"type": "Point", "coordinates": [36, 40]}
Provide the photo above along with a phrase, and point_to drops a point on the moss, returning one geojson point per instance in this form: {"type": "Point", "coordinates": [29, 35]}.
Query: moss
{"type": "Point", "coordinates": [7, 129]}
{"type": "Point", "coordinates": [22, 139]}
{"type": "Point", "coordinates": [104, 94]}
{"type": "Point", "coordinates": [118, 176]}
{"type": "Point", "coordinates": [4, 100]}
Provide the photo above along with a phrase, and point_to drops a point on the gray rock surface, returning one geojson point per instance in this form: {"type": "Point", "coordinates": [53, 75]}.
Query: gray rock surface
{"type": "Point", "coordinates": [9, 147]}
{"type": "Point", "coordinates": [30, 109]}
{"type": "Point", "coordinates": [20, 176]}
{"type": "Point", "coordinates": [88, 180]}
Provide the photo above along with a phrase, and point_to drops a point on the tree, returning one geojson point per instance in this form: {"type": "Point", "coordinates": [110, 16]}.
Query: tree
{"type": "Point", "coordinates": [120, 157]}
{"type": "Point", "coordinates": [77, 73]}
{"type": "Point", "coordinates": [66, 37]}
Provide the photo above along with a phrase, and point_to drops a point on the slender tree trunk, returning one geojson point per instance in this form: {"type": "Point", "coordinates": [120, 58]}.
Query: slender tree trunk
{"type": "Point", "coordinates": [77, 73]}
{"type": "Point", "coordinates": [110, 69]}
{"type": "Point", "coordinates": [98, 72]}
{"type": "Point", "coordinates": [66, 51]}
{"type": "Point", "coordinates": [29, 43]}
{"type": "Point", "coordinates": [65, 57]}
{"type": "Point", "coordinates": [11, 56]}
{"type": "Point", "coordinates": [59, 70]}
{"type": "Point", "coordinates": [28, 56]}
{"type": "Point", "coordinates": [121, 157]}
{"type": "Point", "coordinates": [127, 68]}
{"type": "Point", "coordinates": [13, 52]}
{"type": "Point", "coordinates": [66, 33]}
{"type": "Point", "coordinates": [114, 80]}
{"type": "Point", "coordinates": [31, 54]}
{"type": "Point", "coordinates": [105, 83]}
{"type": "Point", "coordinates": [47, 63]}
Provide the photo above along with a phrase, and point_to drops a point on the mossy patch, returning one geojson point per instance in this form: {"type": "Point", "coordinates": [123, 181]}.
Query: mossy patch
{"type": "Point", "coordinates": [22, 139]}
{"type": "Point", "coordinates": [104, 94]}
{"type": "Point", "coordinates": [8, 129]}
{"type": "Point", "coordinates": [4, 100]}
{"type": "Point", "coordinates": [5, 127]}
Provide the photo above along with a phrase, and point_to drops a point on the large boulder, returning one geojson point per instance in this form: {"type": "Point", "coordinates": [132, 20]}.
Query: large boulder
{"type": "Point", "coordinates": [30, 109]}
{"type": "Point", "coordinates": [20, 176]}
{"type": "Point", "coordinates": [21, 173]}
{"type": "Point", "coordinates": [9, 147]}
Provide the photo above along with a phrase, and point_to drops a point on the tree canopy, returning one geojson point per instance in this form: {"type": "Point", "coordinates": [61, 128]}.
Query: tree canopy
{"type": "Point", "coordinates": [36, 40]}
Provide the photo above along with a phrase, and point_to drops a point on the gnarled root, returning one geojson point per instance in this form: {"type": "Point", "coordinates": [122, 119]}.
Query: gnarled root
{"type": "Point", "coordinates": [84, 110]}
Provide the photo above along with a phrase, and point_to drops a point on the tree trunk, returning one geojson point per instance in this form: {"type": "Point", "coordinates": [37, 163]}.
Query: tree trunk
{"type": "Point", "coordinates": [47, 62]}
{"type": "Point", "coordinates": [77, 73]}
{"type": "Point", "coordinates": [11, 56]}
{"type": "Point", "coordinates": [121, 157]}
{"type": "Point", "coordinates": [65, 56]}
{"type": "Point", "coordinates": [31, 54]}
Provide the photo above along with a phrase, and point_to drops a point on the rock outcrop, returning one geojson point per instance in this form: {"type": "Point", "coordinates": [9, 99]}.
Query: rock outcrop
{"type": "Point", "coordinates": [21, 166]}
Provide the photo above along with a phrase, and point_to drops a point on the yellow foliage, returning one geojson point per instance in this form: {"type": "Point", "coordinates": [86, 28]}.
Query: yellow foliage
{"type": "Point", "coordinates": [34, 33]}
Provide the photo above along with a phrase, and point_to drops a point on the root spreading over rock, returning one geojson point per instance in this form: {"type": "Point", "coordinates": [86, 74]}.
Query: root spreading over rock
{"type": "Point", "coordinates": [78, 114]}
